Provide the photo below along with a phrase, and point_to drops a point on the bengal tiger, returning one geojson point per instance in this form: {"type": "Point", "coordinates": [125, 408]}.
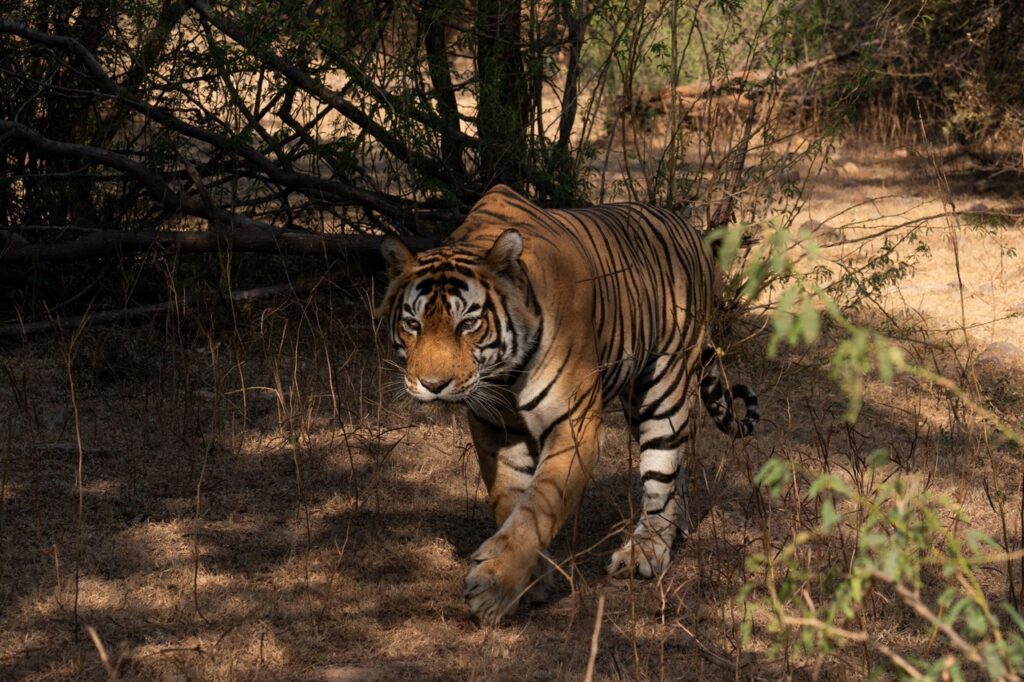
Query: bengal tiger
{"type": "Point", "coordinates": [536, 319]}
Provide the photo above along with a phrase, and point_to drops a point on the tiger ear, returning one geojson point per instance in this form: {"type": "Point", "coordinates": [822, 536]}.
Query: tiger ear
{"type": "Point", "coordinates": [504, 255]}
{"type": "Point", "coordinates": [397, 255]}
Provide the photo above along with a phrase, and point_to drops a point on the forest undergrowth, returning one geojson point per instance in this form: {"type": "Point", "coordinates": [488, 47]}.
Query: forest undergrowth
{"type": "Point", "coordinates": [243, 491]}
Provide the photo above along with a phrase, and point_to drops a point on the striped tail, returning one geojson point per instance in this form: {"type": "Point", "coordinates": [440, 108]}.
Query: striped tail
{"type": "Point", "coordinates": [719, 400]}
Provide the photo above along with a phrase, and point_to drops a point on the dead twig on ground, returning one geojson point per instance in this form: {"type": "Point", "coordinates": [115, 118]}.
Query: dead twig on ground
{"type": "Point", "coordinates": [594, 639]}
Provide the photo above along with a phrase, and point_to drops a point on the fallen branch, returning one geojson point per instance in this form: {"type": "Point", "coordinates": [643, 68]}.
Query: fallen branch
{"type": "Point", "coordinates": [23, 329]}
{"type": "Point", "coordinates": [595, 638]}
{"type": "Point", "coordinates": [743, 82]}
{"type": "Point", "coordinates": [362, 252]}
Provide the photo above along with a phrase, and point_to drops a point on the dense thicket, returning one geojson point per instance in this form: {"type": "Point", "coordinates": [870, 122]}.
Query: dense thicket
{"type": "Point", "coordinates": [246, 114]}
{"type": "Point", "coordinates": [371, 116]}
{"type": "Point", "coordinates": [953, 66]}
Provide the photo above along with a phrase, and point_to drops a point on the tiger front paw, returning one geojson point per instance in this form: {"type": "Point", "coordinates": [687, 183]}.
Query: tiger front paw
{"type": "Point", "coordinates": [643, 555]}
{"type": "Point", "coordinates": [499, 579]}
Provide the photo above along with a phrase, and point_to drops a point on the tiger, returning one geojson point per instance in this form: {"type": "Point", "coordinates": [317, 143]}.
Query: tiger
{"type": "Point", "coordinates": [536, 319]}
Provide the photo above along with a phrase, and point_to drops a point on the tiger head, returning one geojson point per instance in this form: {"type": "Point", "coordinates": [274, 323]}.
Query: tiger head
{"type": "Point", "coordinates": [459, 318]}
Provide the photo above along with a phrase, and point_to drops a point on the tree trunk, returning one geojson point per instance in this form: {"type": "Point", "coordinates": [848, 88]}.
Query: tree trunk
{"type": "Point", "coordinates": [433, 20]}
{"type": "Point", "coordinates": [503, 101]}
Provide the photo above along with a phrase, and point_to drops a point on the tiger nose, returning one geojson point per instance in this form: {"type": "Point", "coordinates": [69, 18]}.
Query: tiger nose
{"type": "Point", "coordinates": [435, 386]}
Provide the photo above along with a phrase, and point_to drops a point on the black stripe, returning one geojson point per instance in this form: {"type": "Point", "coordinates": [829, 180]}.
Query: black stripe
{"type": "Point", "coordinates": [544, 392]}
{"type": "Point", "coordinates": [659, 476]}
{"type": "Point", "coordinates": [513, 430]}
{"type": "Point", "coordinates": [670, 442]}
{"type": "Point", "coordinates": [551, 427]}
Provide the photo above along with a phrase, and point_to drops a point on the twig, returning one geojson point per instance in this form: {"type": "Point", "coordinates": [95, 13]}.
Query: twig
{"type": "Point", "coordinates": [711, 655]}
{"type": "Point", "coordinates": [724, 213]}
{"type": "Point", "coordinates": [594, 638]}
{"type": "Point", "coordinates": [830, 630]}
{"type": "Point", "coordinates": [110, 668]}
{"type": "Point", "coordinates": [854, 636]}
{"type": "Point", "coordinates": [913, 600]}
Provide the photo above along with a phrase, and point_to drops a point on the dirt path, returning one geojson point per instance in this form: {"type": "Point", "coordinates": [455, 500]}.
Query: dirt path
{"type": "Point", "coordinates": [969, 220]}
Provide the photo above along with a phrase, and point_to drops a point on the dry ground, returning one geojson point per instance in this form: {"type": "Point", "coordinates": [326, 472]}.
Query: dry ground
{"type": "Point", "coordinates": [258, 502]}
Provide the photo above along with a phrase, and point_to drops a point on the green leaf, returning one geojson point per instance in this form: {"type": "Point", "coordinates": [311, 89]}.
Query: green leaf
{"type": "Point", "coordinates": [974, 620]}
{"type": "Point", "coordinates": [892, 561]}
{"type": "Point", "coordinates": [829, 516]}
{"type": "Point", "coordinates": [993, 662]}
{"type": "Point", "coordinates": [878, 458]}
{"type": "Point", "coordinates": [828, 482]}
{"type": "Point", "coordinates": [746, 630]}
{"type": "Point", "coordinates": [874, 540]}
{"type": "Point", "coordinates": [945, 599]}
{"type": "Point", "coordinates": [728, 238]}
{"type": "Point", "coordinates": [783, 320]}
{"type": "Point", "coordinates": [890, 360]}
{"type": "Point", "coordinates": [809, 322]}
{"type": "Point", "coordinates": [772, 475]}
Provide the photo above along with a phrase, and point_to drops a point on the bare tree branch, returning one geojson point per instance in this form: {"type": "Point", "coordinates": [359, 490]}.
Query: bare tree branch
{"type": "Point", "coordinates": [301, 182]}
{"type": "Point", "coordinates": [306, 82]}
{"type": "Point", "coordinates": [158, 188]}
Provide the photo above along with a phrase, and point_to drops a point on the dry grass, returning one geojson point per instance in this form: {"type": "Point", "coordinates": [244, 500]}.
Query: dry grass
{"type": "Point", "coordinates": [256, 502]}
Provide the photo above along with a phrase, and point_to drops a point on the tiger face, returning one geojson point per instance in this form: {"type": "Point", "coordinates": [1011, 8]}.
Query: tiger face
{"type": "Point", "coordinates": [459, 319]}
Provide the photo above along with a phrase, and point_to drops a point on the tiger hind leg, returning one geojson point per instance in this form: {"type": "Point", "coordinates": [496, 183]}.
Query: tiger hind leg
{"type": "Point", "coordinates": [663, 428]}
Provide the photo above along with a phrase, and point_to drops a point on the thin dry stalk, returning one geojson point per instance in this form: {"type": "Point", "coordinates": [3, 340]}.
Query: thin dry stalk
{"type": "Point", "coordinates": [69, 348]}
{"type": "Point", "coordinates": [595, 638]}
{"type": "Point", "coordinates": [110, 668]}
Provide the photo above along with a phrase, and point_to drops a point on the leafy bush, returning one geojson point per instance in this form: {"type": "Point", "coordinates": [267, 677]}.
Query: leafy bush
{"type": "Point", "coordinates": [903, 548]}
{"type": "Point", "coordinates": [910, 547]}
